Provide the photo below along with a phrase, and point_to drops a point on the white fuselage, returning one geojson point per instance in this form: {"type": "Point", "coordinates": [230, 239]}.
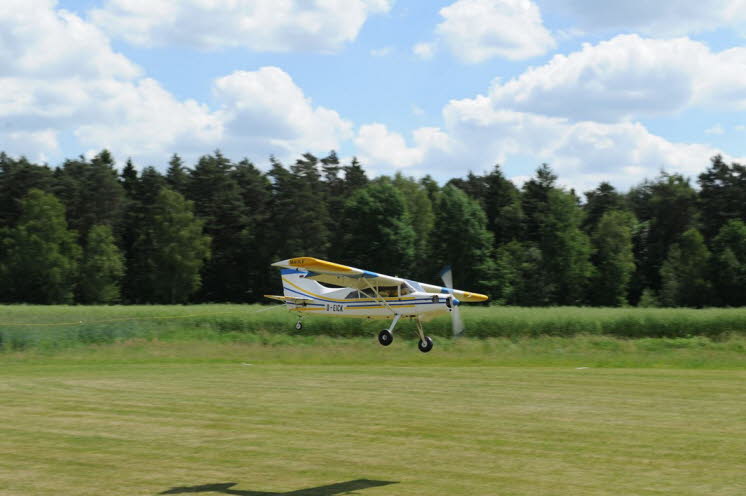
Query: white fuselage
{"type": "Point", "coordinates": [347, 302]}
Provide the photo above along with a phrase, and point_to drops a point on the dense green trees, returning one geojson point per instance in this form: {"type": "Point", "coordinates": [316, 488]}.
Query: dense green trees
{"type": "Point", "coordinates": [176, 248]}
{"type": "Point", "coordinates": [684, 273]}
{"type": "Point", "coordinates": [102, 268]}
{"type": "Point", "coordinates": [729, 264]}
{"type": "Point", "coordinates": [612, 258]}
{"type": "Point", "coordinates": [377, 230]}
{"type": "Point", "coordinates": [460, 239]}
{"type": "Point", "coordinates": [84, 232]}
{"type": "Point", "coordinates": [39, 255]}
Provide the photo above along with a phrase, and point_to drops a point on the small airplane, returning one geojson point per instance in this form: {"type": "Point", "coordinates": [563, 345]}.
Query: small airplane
{"type": "Point", "coordinates": [327, 288]}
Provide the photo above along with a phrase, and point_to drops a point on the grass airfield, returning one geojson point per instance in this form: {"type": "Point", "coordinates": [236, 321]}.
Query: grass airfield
{"type": "Point", "coordinates": [323, 416]}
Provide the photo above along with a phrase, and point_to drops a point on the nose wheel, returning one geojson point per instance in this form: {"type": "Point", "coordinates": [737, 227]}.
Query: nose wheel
{"type": "Point", "coordinates": [385, 337]}
{"type": "Point", "coordinates": [298, 325]}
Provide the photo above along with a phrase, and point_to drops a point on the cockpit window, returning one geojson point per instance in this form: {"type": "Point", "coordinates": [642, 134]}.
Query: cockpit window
{"type": "Point", "coordinates": [405, 289]}
{"type": "Point", "coordinates": [352, 294]}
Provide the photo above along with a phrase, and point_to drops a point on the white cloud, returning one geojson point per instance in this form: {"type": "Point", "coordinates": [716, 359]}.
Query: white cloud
{"type": "Point", "coordinates": [477, 30]}
{"type": "Point", "coordinates": [376, 144]}
{"type": "Point", "coordinates": [628, 77]}
{"type": "Point", "coordinates": [266, 112]}
{"type": "Point", "coordinates": [96, 96]}
{"type": "Point", "coordinates": [662, 19]}
{"type": "Point", "coordinates": [40, 42]}
{"type": "Point", "coordinates": [716, 129]}
{"type": "Point", "coordinates": [381, 148]}
{"type": "Point", "coordinates": [583, 153]}
{"type": "Point", "coordinates": [425, 51]}
{"type": "Point", "coordinates": [382, 52]}
{"type": "Point", "coordinates": [260, 25]}
{"type": "Point", "coordinates": [40, 143]}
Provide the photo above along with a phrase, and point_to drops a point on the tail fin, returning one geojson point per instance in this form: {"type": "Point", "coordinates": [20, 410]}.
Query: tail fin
{"type": "Point", "coordinates": [295, 284]}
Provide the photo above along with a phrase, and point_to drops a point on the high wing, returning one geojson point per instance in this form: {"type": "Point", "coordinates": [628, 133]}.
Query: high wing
{"type": "Point", "coordinates": [460, 295]}
{"type": "Point", "coordinates": [352, 277]}
{"type": "Point", "coordinates": [337, 274]}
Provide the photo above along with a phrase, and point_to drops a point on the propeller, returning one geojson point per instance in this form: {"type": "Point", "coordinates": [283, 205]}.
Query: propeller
{"type": "Point", "coordinates": [456, 322]}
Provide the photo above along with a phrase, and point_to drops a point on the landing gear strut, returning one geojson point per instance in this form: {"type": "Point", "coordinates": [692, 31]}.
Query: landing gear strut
{"type": "Point", "coordinates": [386, 336]}
{"type": "Point", "coordinates": [425, 344]}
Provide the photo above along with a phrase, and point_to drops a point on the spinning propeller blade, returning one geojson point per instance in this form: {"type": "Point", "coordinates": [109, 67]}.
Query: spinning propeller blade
{"type": "Point", "coordinates": [457, 324]}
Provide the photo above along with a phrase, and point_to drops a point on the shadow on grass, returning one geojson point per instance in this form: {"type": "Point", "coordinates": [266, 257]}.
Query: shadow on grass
{"type": "Point", "coordinates": [328, 490]}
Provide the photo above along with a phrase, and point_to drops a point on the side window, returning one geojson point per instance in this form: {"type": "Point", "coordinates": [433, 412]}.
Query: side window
{"type": "Point", "coordinates": [404, 290]}
{"type": "Point", "coordinates": [352, 294]}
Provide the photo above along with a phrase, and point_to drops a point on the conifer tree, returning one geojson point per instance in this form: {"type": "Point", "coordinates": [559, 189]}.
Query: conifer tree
{"type": "Point", "coordinates": [612, 258]}
{"type": "Point", "coordinates": [666, 207]}
{"type": "Point", "coordinates": [256, 255]}
{"type": "Point", "coordinates": [729, 263]}
{"type": "Point", "coordinates": [136, 239]}
{"type": "Point", "coordinates": [219, 203]}
{"type": "Point", "coordinates": [300, 218]}
{"type": "Point", "coordinates": [604, 198]}
{"type": "Point", "coordinates": [177, 176]}
{"type": "Point", "coordinates": [722, 193]}
{"type": "Point", "coordinates": [18, 177]}
{"type": "Point", "coordinates": [91, 192]}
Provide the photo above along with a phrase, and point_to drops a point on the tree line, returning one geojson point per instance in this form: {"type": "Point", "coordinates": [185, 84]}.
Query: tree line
{"type": "Point", "coordinates": [85, 232]}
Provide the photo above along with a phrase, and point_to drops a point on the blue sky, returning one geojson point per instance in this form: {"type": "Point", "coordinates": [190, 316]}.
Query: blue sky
{"type": "Point", "coordinates": [599, 91]}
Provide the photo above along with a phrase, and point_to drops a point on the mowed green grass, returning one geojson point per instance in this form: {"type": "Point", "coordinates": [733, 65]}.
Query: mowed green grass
{"type": "Point", "coordinates": [350, 417]}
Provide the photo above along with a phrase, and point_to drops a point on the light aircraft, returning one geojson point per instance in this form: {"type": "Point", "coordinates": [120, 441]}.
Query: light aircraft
{"type": "Point", "coordinates": [319, 287]}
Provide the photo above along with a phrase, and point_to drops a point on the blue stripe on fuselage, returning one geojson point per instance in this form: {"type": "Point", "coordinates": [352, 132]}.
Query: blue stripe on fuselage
{"type": "Point", "coordinates": [418, 301]}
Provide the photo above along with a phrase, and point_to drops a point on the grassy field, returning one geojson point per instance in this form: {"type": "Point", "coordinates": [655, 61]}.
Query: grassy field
{"type": "Point", "coordinates": [215, 402]}
{"type": "Point", "coordinates": [348, 417]}
{"type": "Point", "coordinates": [58, 327]}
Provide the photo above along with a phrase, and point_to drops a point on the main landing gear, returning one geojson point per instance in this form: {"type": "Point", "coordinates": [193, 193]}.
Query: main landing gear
{"type": "Point", "coordinates": [386, 336]}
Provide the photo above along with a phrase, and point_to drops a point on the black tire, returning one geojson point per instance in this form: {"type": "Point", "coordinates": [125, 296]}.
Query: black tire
{"type": "Point", "coordinates": [298, 325]}
{"type": "Point", "coordinates": [425, 345]}
{"type": "Point", "coordinates": [385, 337]}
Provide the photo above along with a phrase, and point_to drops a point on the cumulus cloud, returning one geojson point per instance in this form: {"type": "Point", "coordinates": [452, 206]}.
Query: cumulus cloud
{"type": "Point", "coordinates": [60, 76]}
{"type": "Point", "coordinates": [39, 41]}
{"type": "Point", "coordinates": [266, 109]}
{"type": "Point", "coordinates": [663, 19]}
{"type": "Point", "coordinates": [477, 30]}
{"type": "Point", "coordinates": [260, 25]}
{"type": "Point", "coordinates": [583, 153]}
{"type": "Point", "coordinates": [628, 77]}
{"type": "Point", "coordinates": [382, 149]}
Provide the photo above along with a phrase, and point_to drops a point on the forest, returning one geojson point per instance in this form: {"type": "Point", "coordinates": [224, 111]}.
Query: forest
{"type": "Point", "coordinates": [87, 232]}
